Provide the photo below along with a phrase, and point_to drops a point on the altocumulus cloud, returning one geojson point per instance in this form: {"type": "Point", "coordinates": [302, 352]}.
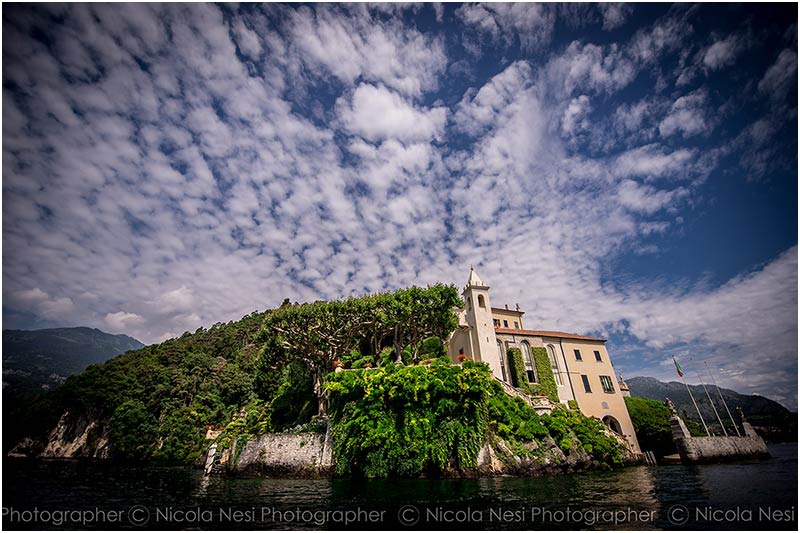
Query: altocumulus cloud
{"type": "Point", "coordinates": [170, 166]}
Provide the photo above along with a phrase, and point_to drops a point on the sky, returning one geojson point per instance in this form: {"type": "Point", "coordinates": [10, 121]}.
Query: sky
{"type": "Point", "coordinates": [620, 170]}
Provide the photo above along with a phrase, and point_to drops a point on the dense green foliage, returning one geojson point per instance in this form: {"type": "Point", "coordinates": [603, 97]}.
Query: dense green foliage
{"type": "Point", "coordinates": [159, 399]}
{"type": "Point", "coordinates": [695, 429]}
{"type": "Point", "coordinates": [651, 420]}
{"type": "Point", "coordinates": [547, 382]}
{"type": "Point", "coordinates": [566, 424]}
{"type": "Point", "coordinates": [403, 421]}
{"type": "Point", "coordinates": [511, 419]}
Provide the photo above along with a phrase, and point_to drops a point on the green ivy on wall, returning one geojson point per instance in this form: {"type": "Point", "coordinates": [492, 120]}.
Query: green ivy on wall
{"type": "Point", "coordinates": [516, 366]}
{"type": "Point", "coordinates": [547, 383]}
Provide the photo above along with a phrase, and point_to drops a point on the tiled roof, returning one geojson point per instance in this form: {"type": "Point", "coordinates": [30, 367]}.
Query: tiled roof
{"type": "Point", "coordinates": [542, 333]}
{"type": "Point", "coordinates": [508, 310]}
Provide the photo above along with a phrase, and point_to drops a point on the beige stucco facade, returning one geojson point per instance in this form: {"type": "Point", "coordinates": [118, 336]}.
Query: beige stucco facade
{"type": "Point", "coordinates": [485, 334]}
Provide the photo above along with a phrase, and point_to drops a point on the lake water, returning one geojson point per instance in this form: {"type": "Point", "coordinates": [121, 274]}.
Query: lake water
{"type": "Point", "coordinates": [88, 495]}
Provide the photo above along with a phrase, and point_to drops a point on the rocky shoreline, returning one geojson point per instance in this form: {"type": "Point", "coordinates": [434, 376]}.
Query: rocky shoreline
{"type": "Point", "coordinates": [309, 454]}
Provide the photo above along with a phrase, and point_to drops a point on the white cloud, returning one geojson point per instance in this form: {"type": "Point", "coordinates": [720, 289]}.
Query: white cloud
{"type": "Point", "coordinates": [780, 75]}
{"type": "Point", "coordinates": [56, 309]}
{"type": "Point", "coordinates": [247, 39]}
{"type": "Point", "coordinates": [632, 117]}
{"type": "Point", "coordinates": [722, 53]}
{"type": "Point", "coordinates": [353, 44]}
{"type": "Point", "coordinates": [591, 67]}
{"type": "Point", "coordinates": [614, 14]}
{"type": "Point", "coordinates": [180, 299]}
{"type": "Point", "coordinates": [665, 36]}
{"type": "Point", "coordinates": [575, 114]}
{"type": "Point", "coordinates": [652, 161]}
{"type": "Point", "coordinates": [645, 198]}
{"type": "Point", "coordinates": [479, 109]}
{"type": "Point", "coordinates": [377, 114]}
{"type": "Point", "coordinates": [41, 303]}
{"type": "Point", "coordinates": [688, 116]}
{"type": "Point", "coordinates": [122, 321]}
{"type": "Point", "coordinates": [27, 299]}
{"type": "Point", "coordinates": [531, 24]}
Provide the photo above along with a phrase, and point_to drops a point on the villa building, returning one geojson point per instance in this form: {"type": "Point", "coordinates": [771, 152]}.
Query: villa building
{"type": "Point", "coordinates": [581, 366]}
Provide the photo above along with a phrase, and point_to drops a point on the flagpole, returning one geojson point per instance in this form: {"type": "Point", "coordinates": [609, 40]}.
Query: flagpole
{"type": "Point", "coordinates": [711, 402]}
{"type": "Point", "coordinates": [680, 373]}
{"type": "Point", "coordinates": [721, 397]}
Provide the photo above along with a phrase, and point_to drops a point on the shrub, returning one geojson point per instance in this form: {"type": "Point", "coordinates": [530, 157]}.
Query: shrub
{"type": "Point", "coordinates": [564, 424]}
{"type": "Point", "coordinates": [404, 420]}
{"type": "Point", "coordinates": [651, 420]}
{"type": "Point", "coordinates": [432, 348]}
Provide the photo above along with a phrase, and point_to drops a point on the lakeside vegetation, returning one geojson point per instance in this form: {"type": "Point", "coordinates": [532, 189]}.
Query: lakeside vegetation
{"type": "Point", "coordinates": [402, 410]}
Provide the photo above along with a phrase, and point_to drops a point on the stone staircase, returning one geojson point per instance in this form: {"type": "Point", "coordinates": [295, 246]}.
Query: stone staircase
{"type": "Point", "coordinates": [541, 404]}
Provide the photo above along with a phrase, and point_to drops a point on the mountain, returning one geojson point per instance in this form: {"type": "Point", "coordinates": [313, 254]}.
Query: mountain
{"type": "Point", "coordinates": [768, 417]}
{"type": "Point", "coordinates": [38, 360]}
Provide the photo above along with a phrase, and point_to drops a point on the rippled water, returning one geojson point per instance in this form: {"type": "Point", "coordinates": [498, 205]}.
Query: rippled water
{"type": "Point", "coordinates": [70, 495]}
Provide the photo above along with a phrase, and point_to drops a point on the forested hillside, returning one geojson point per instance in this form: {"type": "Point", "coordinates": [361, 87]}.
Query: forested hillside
{"type": "Point", "coordinates": [156, 402]}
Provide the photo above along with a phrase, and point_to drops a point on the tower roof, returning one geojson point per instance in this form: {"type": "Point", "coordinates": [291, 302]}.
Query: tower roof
{"type": "Point", "coordinates": [474, 280]}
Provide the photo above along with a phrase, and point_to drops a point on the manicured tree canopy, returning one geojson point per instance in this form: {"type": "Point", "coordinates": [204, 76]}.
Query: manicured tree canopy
{"type": "Point", "coordinates": [321, 332]}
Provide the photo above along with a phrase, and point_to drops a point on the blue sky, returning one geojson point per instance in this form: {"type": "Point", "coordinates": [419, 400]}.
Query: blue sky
{"type": "Point", "coordinates": [620, 170]}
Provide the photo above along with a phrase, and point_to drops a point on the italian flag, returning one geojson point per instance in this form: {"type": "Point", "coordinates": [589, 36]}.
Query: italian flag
{"type": "Point", "coordinates": [678, 367]}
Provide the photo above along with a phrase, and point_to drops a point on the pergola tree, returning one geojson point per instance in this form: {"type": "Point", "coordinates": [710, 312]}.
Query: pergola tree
{"type": "Point", "coordinates": [316, 334]}
{"type": "Point", "coordinates": [319, 333]}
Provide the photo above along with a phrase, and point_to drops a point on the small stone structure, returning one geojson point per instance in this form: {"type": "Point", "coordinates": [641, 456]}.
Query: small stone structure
{"type": "Point", "coordinates": [713, 449]}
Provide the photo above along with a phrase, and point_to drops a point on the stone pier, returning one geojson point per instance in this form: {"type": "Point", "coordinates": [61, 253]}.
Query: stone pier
{"type": "Point", "coordinates": [715, 449]}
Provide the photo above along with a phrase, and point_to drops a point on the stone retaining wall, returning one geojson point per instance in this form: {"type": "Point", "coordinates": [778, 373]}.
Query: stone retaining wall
{"type": "Point", "coordinates": [305, 455]}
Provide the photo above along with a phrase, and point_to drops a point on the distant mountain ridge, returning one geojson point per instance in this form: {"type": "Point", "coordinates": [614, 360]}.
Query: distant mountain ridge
{"type": "Point", "coordinates": [37, 360]}
{"type": "Point", "coordinates": [768, 416]}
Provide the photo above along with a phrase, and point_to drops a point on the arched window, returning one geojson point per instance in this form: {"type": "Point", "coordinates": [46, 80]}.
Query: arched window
{"type": "Point", "coordinates": [481, 301]}
{"type": "Point", "coordinates": [529, 368]}
{"type": "Point", "coordinates": [551, 352]}
{"type": "Point", "coordinates": [612, 424]}
{"type": "Point", "coordinates": [502, 358]}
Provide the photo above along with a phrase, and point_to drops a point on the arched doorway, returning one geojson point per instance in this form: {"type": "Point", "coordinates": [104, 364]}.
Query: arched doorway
{"type": "Point", "coordinates": [612, 424]}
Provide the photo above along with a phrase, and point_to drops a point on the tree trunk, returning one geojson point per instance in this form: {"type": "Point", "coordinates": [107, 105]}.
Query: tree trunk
{"type": "Point", "coordinates": [322, 400]}
{"type": "Point", "coordinates": [376, 344]}
{"type": "Point", "coordinates": [397, 351]}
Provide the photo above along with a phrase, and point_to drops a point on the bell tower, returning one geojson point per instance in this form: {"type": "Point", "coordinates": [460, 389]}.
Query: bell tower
{"type": "Point", "coordinates": [481, 324]}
